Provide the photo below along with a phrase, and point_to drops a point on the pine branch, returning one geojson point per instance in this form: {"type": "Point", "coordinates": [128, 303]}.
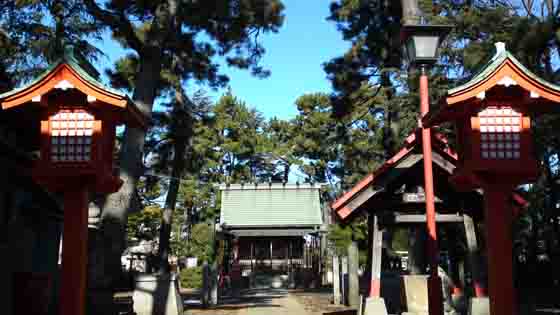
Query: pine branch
{"type": "Point", "coordinates": [117, 22]}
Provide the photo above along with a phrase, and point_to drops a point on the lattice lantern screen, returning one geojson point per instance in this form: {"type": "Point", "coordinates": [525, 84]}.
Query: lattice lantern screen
{"type": "Point", "coordinates": [71, 136]}
{"type": "Point", "coordinates": [500, 130]}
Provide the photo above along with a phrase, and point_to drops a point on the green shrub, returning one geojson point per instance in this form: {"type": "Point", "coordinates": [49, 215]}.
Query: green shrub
{"type": "Point", "coordinates": [191, 278]}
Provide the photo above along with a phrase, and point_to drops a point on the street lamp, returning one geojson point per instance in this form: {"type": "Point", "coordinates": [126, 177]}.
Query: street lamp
{"type": "Point", "coordinates": [421, 47]}
{"type": "Point", "coordinates": [422, 42]}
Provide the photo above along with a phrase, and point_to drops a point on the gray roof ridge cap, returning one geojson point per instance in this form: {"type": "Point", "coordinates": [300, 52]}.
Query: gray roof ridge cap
{"type": "Point", "coordinates": [275, 186]}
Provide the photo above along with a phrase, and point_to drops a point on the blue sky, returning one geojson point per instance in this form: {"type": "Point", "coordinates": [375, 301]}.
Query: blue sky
{"type": "Point", "coordinates": [294, 55]}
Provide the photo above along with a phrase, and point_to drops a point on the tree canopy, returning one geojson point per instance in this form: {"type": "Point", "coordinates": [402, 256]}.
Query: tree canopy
{"type": "Point", "coordinates": [195, 142]}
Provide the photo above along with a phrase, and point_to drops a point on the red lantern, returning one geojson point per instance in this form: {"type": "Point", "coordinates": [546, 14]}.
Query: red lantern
{"type": "Point", "coordinates": [495, 138]}
{"type": "Point", "coordinates": [71, 133]}
{"type": "Point", "coordinates": [77, 141]}
{"type": "Point", "coordinates": [495, 145]}
{"type": "Point", "coordinates": [71, 119]}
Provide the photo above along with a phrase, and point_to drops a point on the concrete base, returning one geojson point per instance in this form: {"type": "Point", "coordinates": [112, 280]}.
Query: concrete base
{"type": "Point", "coordinates": [375, 306]}
{"type": "Point", "coordinates": [459, 302]}
{"type": "Point", "coordinates": [291, 280]}
{"type": "Point", "coordinates": [415, 293]}
{"type": "Point", "coordinates": [479, 306]}
{"type": "Point", "coordinates": [157, 295]}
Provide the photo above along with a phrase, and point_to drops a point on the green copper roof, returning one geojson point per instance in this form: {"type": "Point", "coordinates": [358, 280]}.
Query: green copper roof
{"type": "Point", "coordinates": [71, 60]}
{"type": "Point", "coordinates": [499, 58]}
{"type": "Point", "coordinates": [271, 205]}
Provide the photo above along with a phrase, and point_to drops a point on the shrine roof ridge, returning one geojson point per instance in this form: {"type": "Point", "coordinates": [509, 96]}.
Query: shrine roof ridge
{"type": "Point", "coordinates": [440, 144]}
{"type": "Point", "coordinates": [501, 55]}
{"type": "Point", "coordinates": [268, 186]}
{"type": "Point", "coordinates": [71, 60]}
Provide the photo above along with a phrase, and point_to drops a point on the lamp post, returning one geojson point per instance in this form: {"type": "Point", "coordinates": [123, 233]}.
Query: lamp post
{"type": "Point", "coordinates": [421, 47]}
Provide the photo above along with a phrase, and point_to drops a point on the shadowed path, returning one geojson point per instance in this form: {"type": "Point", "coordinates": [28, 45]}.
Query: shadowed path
{"type": "Point", "coordinates": [268, 302]}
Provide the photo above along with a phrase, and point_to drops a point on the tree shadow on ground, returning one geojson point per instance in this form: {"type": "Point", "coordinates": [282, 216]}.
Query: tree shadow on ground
{"type": "Point", "coordinates": [256, 298]}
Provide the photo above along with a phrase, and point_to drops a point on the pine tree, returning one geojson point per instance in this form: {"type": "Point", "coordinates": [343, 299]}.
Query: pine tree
{"type": "Point", "coordinates": [28, 44]}
{"type": "Point", "coordinates": [163, 36]}
{"type": "Point", "coordinates": [280, 149]}
{"type": "Point", "coordinates": [237, 134]}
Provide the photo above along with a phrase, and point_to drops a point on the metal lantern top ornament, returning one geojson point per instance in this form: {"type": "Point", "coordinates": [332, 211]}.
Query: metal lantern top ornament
{"type": "Point", "coordinates": [73, 118]}
{"type": "Point", "coordinates": [422, 42]}
{"type": "Point", "coordinates": [492, 114]}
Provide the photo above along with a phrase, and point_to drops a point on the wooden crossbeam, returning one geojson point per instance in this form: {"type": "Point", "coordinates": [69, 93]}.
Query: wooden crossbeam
{"type": "Point", "coordinates": [421, 218]}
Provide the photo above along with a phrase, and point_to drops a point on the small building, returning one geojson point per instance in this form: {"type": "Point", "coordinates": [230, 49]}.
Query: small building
{"type": "Point", "coordinates": [272, 229]}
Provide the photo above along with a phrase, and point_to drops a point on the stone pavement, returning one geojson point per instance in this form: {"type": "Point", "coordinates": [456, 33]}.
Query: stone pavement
{"type": "Point", "coordinates": [270, 302]}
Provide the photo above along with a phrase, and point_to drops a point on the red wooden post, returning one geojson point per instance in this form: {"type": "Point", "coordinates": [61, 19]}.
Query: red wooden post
{"type": "Point", "coordinates": [376, 252]}
{"type": "Point", "coordinates": [479, 290]}
{"type": "Point", "coordinates": [498, 215]}
{"type": "Point", "coordinates": [434, 282]}
{"type": "Point", "coordinates": [74, 252]}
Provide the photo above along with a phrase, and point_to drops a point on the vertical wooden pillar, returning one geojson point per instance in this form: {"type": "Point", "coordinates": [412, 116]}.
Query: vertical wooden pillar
{"type": "Point", "coordinates": [235, 250]}
{"type": "Point", "coordinates": [291, 271]}
{"type": "Point", "coordinates": [270, 254]}
{"type": "Point", "coordinates": [323, 270]}
{"type": "Point", "coordinates": [473, 256]}
{"type": "Point", "coordinates": [305, 255]}
{"type": "Point", "coordinates": [369, 260]}
{"type": "Point", "coordinates": [74, 252]}
{"type": "Point", "coordinates": [235, 269]}
{"type": "Point", "coordinates": [344, 278]}
{"type": "Point", "coordinates": [290, 252]}
{"type": "Point", "coordinates": [286, 256]}
{"type": "Point", "coordinates": [353, 281]}
{"type": "Point", "coordinates": [205, 284]}
{"type": "Point", "coordinates": [416, 254]}
{"type": "Point", "coordinates": [376, 256]}
{"type": "Point", "coordinates": [454, 274]}
{"type": "Point", "coordinates": [314, 255]}
{"type": "Point", "coordinates": [498, 216]}
{"type": "Point", "coordinates": [336, 280]}
{"type": "Point", "coordinates": [252, 242]}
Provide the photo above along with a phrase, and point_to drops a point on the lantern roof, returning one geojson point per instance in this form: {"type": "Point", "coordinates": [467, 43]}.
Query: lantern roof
{"type": "Point", "coordinates": [395, 163]}
{"type": "Point", "coordinates": [72, 71]}
{"type": "Point", "coordinates": [502, 70]}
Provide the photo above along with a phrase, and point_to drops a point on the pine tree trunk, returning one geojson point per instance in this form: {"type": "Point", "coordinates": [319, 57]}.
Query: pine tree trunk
{"type": "Point", "coordinates": [388, 136]}
{"type": "Point", "coordinates": [181, 130]}
{"type": "Point", "coordinates": [109, 241]}
{"type": "Point", "coordinates": [286, 173]}
{"type": "Point", "coordinates": [170, 202]}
